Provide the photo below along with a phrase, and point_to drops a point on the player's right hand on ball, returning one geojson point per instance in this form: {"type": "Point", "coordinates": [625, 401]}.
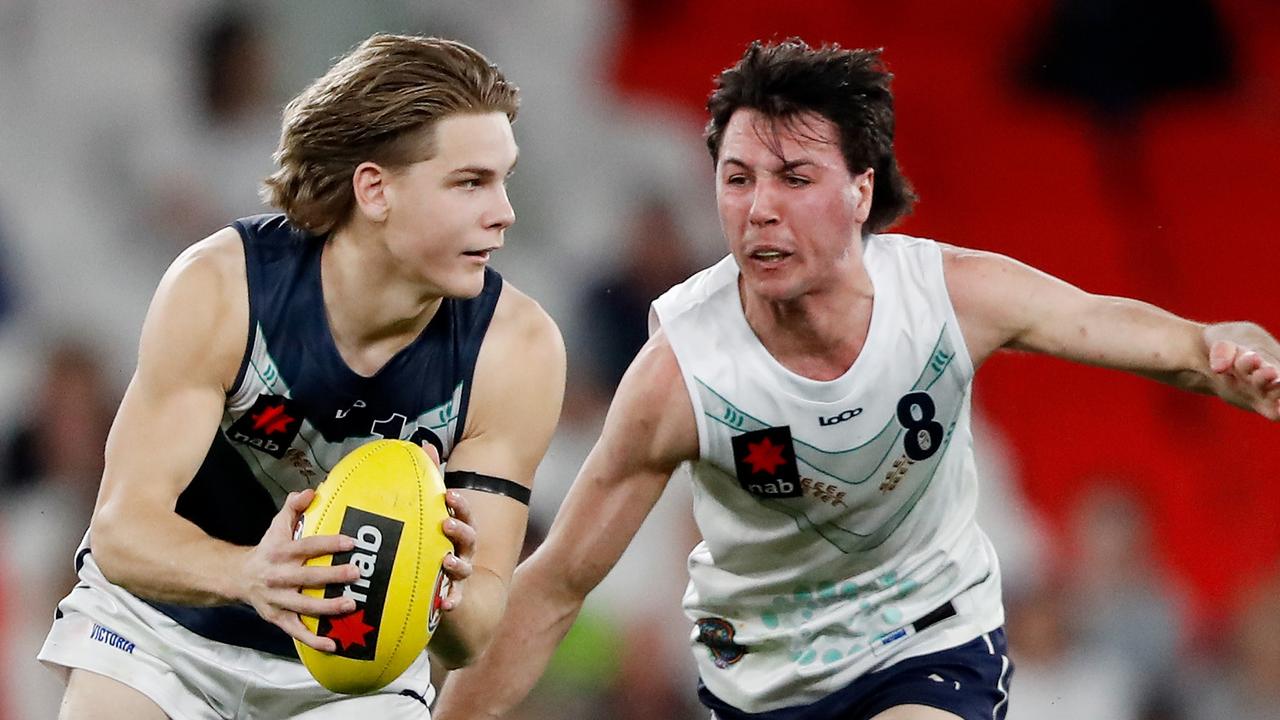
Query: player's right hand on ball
{"type": "Point", "coordinates": [274, 574]}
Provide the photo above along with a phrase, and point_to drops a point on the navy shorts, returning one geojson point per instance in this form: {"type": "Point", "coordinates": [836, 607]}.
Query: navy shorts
{"type": "Point", "coordinates": [971, 680]}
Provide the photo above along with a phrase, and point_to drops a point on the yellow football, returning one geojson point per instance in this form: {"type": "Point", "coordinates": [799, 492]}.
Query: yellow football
{"type": "Point", "coordinates": [389, 496]}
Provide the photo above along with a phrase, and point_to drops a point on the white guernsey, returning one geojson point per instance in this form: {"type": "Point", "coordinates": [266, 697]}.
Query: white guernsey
{"type": "Point", "coordinates": [857, 518]}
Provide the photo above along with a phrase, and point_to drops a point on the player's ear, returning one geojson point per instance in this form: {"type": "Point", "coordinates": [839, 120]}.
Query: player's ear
{"type": "Point", "coordinates": [864, 187]}
{"type": "Point", "coordinates": [369, 183]}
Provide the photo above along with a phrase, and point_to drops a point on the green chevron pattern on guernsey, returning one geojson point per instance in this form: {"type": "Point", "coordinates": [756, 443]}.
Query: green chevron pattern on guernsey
{"type": "Point", "coordinates": [820, 461]}
{"type": "Point", "coordinates": [719, 409]}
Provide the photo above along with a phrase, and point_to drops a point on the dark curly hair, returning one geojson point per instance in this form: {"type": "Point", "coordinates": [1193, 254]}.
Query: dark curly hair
{"type": "Point", "coordinates": [848, 87]}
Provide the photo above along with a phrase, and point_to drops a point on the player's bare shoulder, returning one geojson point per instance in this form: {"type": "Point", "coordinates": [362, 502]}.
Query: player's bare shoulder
{"type": "Point", "coordinates": [652, 410]}
{"type": "Point", "coordinates": [213, 267]}
{"type": "Point", "coordinates": [520, 372]}
{"type": "Point", "coordinates": [201, 307]}
{"type": "Point", "coordinates": [971, 273]}
{"type": "Point", "coordinates": [987, 291]}
{"type": "Point", "coordinates": [520, 324]}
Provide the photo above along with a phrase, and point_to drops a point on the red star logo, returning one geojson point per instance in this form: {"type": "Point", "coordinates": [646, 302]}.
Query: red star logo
{"type": "Point", "coordinates": [764, 456]}
{"type": "Point", "coordinates": [272, 420]}
{"type": "Point", "coordinates": [349, 629]}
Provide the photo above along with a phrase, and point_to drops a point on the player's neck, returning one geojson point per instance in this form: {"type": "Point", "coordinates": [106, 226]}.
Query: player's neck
{"type": "Point", "coordinates": [819, 334]}
{"type": "Point", "coordinates": [372, 310]}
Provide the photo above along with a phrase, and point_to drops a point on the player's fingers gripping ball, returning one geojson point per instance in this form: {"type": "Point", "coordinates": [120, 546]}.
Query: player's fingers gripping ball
{"type": "Point", "coordinates": [389, 496]}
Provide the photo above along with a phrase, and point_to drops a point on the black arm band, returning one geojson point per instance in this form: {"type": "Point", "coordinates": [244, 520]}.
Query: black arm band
{"type": "Point", "coordinates": [467, 480]}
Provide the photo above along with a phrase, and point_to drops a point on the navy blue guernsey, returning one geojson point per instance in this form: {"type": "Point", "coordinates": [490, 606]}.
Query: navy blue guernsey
{"type": "Point", "coordinates": [296, 407]}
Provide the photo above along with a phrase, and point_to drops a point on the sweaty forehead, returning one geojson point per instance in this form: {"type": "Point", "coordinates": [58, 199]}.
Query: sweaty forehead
{"type": "Point", "coordinates": [758, 139]}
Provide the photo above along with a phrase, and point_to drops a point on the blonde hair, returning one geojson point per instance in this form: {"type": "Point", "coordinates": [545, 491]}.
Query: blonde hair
{"type": "Point", "coordinates": [376, 104]}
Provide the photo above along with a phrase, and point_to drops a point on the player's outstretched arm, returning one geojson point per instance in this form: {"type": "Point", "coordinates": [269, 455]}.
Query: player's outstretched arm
{"type": "Point", "coordinates": [192, 343]}
{"type": "Point", "coordinates": [1002, 303]}
{"type": "Point", "coordinates": [514, 408]}
{"type": "Point", "coordinates": [649, 431]}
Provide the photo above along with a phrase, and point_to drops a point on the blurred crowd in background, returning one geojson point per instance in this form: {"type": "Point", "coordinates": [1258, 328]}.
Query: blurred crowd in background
{"type": "Point", "coordinates": [1130, 146]}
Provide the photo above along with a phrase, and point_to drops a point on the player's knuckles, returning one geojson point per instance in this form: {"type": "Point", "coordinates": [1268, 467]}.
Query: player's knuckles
{"type": "Point", "coordinates": [1261, 378]}
{"type": "Point", "coordinates": [275, 550]}
{"type": "Point", "coordinates": [274, 614]}
{"type": "Point", "coordinates": [278, 576]}
{"type": "Point", "coordinates": [1247, 361]}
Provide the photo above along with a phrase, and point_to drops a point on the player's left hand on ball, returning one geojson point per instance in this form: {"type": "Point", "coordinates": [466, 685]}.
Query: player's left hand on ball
{"type": "Point", "coordinates": [1252, 378]}
{"type": "Point", "coordinates": [457, 565]}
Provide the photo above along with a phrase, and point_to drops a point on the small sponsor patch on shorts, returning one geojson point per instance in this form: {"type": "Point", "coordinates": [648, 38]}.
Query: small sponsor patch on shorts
{"type": "Point", "coordinates": [111, 637]}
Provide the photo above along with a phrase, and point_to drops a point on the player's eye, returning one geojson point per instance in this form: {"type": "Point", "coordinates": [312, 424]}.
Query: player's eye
{"type": "Point", "coordinates": [797, 181]}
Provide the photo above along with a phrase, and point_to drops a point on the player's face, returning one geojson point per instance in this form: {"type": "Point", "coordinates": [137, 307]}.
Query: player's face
{"type": "Point", "coordinates": [789, 207]}
{"type": "Point", "coordinates": [447, 214]}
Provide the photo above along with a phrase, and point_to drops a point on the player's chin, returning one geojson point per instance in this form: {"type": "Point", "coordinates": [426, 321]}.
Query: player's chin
{"type": "Point", "coordinates": [463, 282]}
{"type": "Point", "coordinates": [771, 287]}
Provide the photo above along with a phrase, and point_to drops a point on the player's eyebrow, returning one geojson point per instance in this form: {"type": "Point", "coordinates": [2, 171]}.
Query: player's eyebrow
{"type": "Point", "coordinates": [787, 166]}
{"type": "Point", "coordinates": [790, 165]}
{"type": "Point", "coordinates": [483, 171]}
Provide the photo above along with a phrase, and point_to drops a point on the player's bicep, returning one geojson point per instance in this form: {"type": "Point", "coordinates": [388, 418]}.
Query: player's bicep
{"type": "Point", "coordinates": [1002, 303]}
{"type": "Point", "coordinates": [157, 441]}
{"type": "Point", "coordinates": [187, 355]}
{"type": "Point", "coordinates": [999, 301]}
{"type": "Point", "coordinates": [515, 405]}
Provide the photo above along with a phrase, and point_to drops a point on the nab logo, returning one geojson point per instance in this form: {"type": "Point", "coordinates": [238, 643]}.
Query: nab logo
{"type": "Point", "coordinates": [377, 538]}
{"type": "Point", "coordinates": [270, 425]}
{"type": "Point", "coordinates": [765, 461]}
{"type": "Point", "coordinates": [836, 419]}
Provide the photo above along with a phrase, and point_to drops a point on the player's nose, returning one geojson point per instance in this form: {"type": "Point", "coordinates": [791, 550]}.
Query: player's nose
{"type": "Point", "coordinates": [764, 206]}
{"type": "Point", "coordinates": [502, 215]}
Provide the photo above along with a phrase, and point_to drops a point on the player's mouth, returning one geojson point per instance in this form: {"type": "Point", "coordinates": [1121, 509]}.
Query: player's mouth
{"type": "Point", "coordinates": [480, 255]}
{"type": "Point", "coordinates": [767, 256]}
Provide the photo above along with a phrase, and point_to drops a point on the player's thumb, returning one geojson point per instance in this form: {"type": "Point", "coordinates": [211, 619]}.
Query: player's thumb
{"type": "Point", "coordinates": [297, 503]}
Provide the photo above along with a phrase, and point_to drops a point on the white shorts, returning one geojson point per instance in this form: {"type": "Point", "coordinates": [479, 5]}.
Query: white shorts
{"type": "Point", "coordinates": [104, 629]}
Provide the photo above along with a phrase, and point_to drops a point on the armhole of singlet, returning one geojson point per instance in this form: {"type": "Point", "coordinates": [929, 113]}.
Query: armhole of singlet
{"type": "Point", "coordinates": [687, 379]}
{"type": "Point", "coordinates": [250, 334]}
{"type": "Point", "coordinates": [492, 286]}
{"type": "Point", "coordinates": [952, 320]}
